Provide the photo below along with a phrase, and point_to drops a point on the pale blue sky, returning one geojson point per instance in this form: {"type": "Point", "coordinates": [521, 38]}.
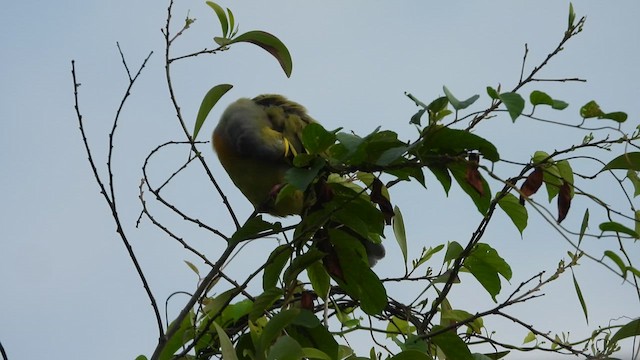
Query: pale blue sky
{"type": "Point", "coordinates": [68, 287]}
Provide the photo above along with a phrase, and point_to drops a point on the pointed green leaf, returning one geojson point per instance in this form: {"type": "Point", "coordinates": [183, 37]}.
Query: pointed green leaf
{"type": "Point", "coordinates": [228, 352]}
{"type": "Point", "coordinates": [457, 104]}
{"type": "Point", "coordinates": [529, 338]}
{"type": "Point", "coordinates": [302, 177]}
{"type": "Point", "coordinates": [482, 202]}
{"type": "Point", "coordinates": [399, 231]}
{"type": "Point", "coordinates": [451, 345]}
{"type": "Point", "coordinates": [300, 263]}
{"type": "Point", "coordinates": [252, 228]}
{"type": "Point", "coordinates": [271, 44]}
{"type": "Point", "coordinates": [485, 265]}
{"type": "Point", "coordinates": [428, 254]}
{"type": "Point", "coordinates": [221, 16]}
{"type": "Point", "coordinates": [410, 355]}
{"type": "Point", "coordinates": [263, 302]}
{"type": "Point", "coordinates": [316, 139]}
{"type": "Point", "coordinates": [312, 353]}
{"type": "Point", "coordinates": [441, 140]}
{"type": "Point", "coordinates": [359, 281]}
{"type": "Point", "coordinates": [493, 93]}
{"type": "Point", "coordinates": [232, 24]}
{"type": "Point", "coordinates": [208, 102]}
{"type": "Point", "coordinates": [320, 280]}
{"type": "Point", "coordinates": [627, 161]}
{"type": "Point", "coordinates": [635, 180]}
{"type": "Point", "coordinates": [514, 104]}
{"type": "Point", "coordinates": [572, 17]}
{"type": "Point", "coordinates": [619, 228]}
{"type": "Point", "coordinates": [192, 267]}
{"type": "Point", "coordinates": [618, 261]}
{"type": "Point", "coordinates": [516, 212]}
{"type": "Point", "coordinates": [580, 297]}
{"type": "Point", "coordinates": [285, 348]}
{"type": "Point", "coordinates": [454, 249]}
{"type": "Point", "coordinates": [637, 221]}
{"type": "Point", "coordinates": [630, 329]}
{"type": "Point", "coordinates": [275, 264]}
{"type": "Point", "coordinates": [583, 227]}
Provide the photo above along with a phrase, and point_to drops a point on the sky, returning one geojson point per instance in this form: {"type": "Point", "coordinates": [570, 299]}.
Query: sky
{"type": "Point", "coordinates": [68, 287]}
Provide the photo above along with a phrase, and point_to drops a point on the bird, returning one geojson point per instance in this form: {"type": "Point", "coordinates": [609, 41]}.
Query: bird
{"type": "Point", "coordinates": [256, 141]}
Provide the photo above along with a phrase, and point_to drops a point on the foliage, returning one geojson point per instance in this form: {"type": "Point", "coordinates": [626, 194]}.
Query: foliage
{"type": "Point", "coordinates": [318, 287]}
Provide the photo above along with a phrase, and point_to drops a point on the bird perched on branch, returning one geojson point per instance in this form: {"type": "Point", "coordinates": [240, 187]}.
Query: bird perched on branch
{"type": "Point", "coordinates": [256, 141]}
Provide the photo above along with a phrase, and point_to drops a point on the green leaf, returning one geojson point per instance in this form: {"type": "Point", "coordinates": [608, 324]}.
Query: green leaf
{"type": "Point", "coordinates": [482, 202]}
{"type": "Point", "coordinates": [540, 98]}
{"type": "Point", "coordinates": [572, 17]}
{"type": "Point", "coordinates": [627, 161]}
{"type": "Point", "coordinates": [179, 338]}
{"type": "Point", "coordinates": [208, 102]}
{"type": "Point", "coordinates": [271, 44]}
{"type": "Point", "coordinates": [397, 325]}
{"type": "Point", "coordinates": [451, 345]}
{"type": "Point", "coordinates": [514, 104]}
{"type": "Point", "coordinates": [320, 280]}
{"type": "Point", "coordinates": [438, 104]}
{"type": "Point", "coordinates": [493, 93]}
{"type": "Point", "coordinates": [529, 338]}
{"type": "Point", "coordinates": [252, 228]}
{"type": "Point", "coordinates": [274, 327]}
{"type": "Point", "coordinates": [275, 264]}
{"type": "Point", "coordinates": [630, 329]}
{"type": "Point", "coordinates": [516, 212]}
{"type": "Point", "coordinates": [636, 217]}
{"type": "Point", "coordinates": [453, 141]}
{"type": "Point", "coordinates": [457, 104]}
{"type": "Point", "coordinates": [399, 231]}
{"type": "Point", "coordinates": [232, 23]}
{"type": "Point", "coordinates": [222, 16]}
{"type": "Point", "coordinates": [285, 348]}
{"type": "Point", "coordinates": [460, 316]}
{"type": "Point", "coordinates": [580, 297]}
{"type": "Point", "coordinates": [410, 355]}
{"type": "Point", "coordinates": [617, 116]}
{"type": "Point", "coordinates": [485, 264]}
{"type": "Point", "coordinates": [141, 357]}
{"type": "Point", "coordinates": [583, 227]}
{"type": "Point", "coordinates": [316, 139]}
{"type": "Point", "coordinates": [428, 254]}
{"type": "Point", "coordinates": [619, 228]}
{"type": "Point", "coordinates": [635, 180]}
{"type": "Point", "coordinates": [312, 353]}
{"type": "Point", "coordinates": [228, 352]}
{"type": "Point", "coordinates": [442, 175]}
{"type": "Point", "coordinates": [192, 267]}
{"type": "Point", "coordinates": [359, 281]}
{"type": "Point", "coordinates": [301, 263]}
{"type": "Point", "coordinates": [264, 301]}
{"type": "Point", "coordinates": [618, 261]}
{"type": "Point", "coordinates": [302, 177]}
{"type": "Point", "coordinates": [559, 105]}
{"type": "Point", "coordinates": [454, 249]}
{"type": "Point", "coordinates": [591, 110]}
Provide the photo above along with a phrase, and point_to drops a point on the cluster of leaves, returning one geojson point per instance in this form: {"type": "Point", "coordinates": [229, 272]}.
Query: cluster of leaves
{"type": "Point", "coordinates": [324, 266]}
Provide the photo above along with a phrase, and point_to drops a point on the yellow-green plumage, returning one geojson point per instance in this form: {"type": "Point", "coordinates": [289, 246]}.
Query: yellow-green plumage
{"type": "Point", "coordinates": [256, 140]}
